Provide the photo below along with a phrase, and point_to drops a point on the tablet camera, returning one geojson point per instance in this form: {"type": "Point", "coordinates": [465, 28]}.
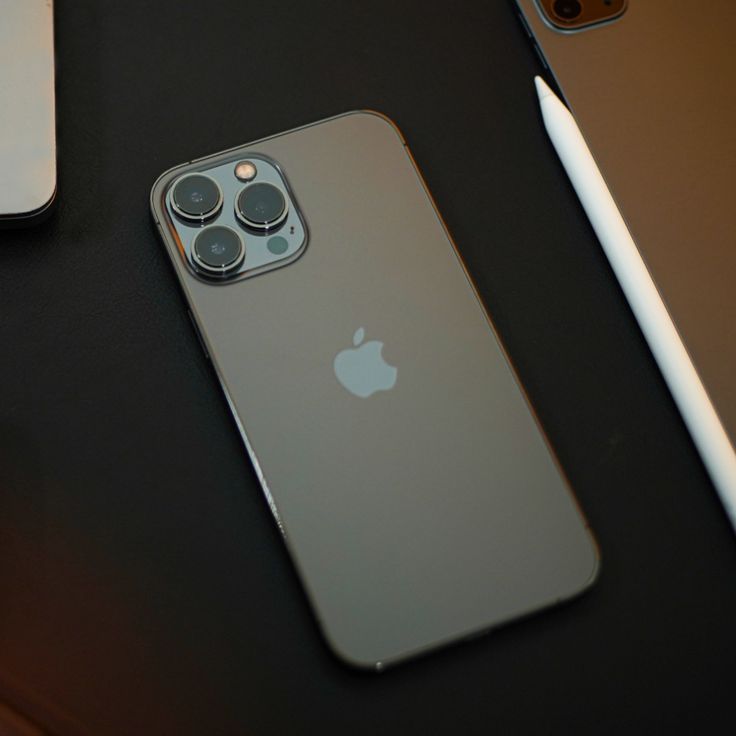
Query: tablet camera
{"type": "Point", "coordinates": [567, 10]}
{"type": "Point", "coordinates": [576, 15]}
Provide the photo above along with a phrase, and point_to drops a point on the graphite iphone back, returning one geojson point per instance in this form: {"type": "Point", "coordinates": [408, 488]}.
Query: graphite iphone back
{"type": "Point", "coordinates": [653, 94]}
{"type": "Point", "coordinates": [413, 486]}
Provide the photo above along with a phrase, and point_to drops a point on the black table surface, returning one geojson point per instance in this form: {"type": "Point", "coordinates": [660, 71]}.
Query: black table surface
{"type": "Point", "coordinates": [143, 585]}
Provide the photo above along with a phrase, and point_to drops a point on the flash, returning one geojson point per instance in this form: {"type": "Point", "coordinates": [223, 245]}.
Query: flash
{"type": "Point", "coordinates": [245, 171]}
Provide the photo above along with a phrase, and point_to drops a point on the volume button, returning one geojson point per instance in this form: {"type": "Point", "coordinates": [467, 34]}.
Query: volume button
{"type": "Point", "coordinates": [198, 334]}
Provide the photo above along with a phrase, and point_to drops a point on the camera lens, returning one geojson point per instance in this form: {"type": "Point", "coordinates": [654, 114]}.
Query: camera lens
{"type": "Point", "coordinates": [218, 250]}
{"type": "Point", "coordinates": [567, 9]}
{"type": "Point", "coordinates": [196, 197]}
{"type": "Point", "coordinates": [261, 206]}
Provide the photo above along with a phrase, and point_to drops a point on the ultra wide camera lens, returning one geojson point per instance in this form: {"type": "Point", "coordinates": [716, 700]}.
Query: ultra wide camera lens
{"type": "Point", "coordinates": [261, 206]}
{"type": "Point", "coordinates": [218, 250]}
{"type": "Point", "coordinates": [567, 9]}
{"type": "Point", "coordinates": [196, 197]}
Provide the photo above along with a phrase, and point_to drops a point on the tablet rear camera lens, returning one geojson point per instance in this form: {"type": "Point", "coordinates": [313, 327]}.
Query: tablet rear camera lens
{"type": "Point", "coordinates": [567, 10]}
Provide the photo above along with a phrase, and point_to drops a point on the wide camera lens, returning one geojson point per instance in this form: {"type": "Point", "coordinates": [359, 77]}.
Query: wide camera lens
{"type": "Point", "coordinates": [567, 9]}
{"type": "Point", "coordinates": [218, 250]}
{"type": "Point", "coordinates": [196, 197]}
{"type": "Point", "coordinates": [261, 206]}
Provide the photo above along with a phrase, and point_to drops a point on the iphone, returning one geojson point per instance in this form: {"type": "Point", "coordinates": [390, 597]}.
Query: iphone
{"type": "Point", "coordinates": [412, 483]}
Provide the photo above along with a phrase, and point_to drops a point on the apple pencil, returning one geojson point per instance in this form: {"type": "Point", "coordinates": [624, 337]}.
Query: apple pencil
{"type": "Point", "coordinates": [687, 389]}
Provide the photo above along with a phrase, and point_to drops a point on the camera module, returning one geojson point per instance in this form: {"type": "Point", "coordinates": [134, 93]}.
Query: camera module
{"type": "Point", "coordinates": [261, 207]}
{"type": "Point", "coordinates": [196, 197]}
{"type": "Point", "coordinates": [218, 250]}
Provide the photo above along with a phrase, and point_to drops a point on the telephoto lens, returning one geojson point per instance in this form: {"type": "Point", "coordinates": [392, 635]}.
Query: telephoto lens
{"type": "Point", "coordinates": [218, 250]}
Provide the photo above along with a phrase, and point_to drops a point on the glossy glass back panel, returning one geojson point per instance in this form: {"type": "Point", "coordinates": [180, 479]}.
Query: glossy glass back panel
{"type": "Point", "coordinates": [415, 490]}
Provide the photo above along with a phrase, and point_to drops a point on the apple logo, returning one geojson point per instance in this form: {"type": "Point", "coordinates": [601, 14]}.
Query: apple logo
{"type": "Point", "coordinates": [362, 369]}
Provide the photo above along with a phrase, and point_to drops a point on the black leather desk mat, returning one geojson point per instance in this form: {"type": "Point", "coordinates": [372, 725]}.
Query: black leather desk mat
{"type": "Point", "coordinates": [143, 585]}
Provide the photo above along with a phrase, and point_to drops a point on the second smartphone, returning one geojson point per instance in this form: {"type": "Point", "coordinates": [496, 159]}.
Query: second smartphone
{"type": "Point", "coordinates": [414, 488]}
